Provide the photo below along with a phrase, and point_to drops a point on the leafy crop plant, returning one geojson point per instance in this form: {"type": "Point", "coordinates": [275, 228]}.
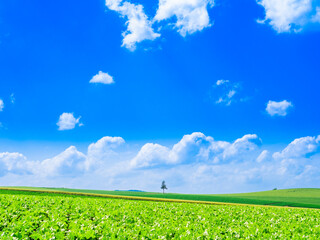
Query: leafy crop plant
{"type": "Point", "coordinates": [36, 216]}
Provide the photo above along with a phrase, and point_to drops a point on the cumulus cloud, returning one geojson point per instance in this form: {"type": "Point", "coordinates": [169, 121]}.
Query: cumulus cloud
{"type": "Point", "coordinates": [195, 147]}
{"type": "Point", "coordinates": [105, 143]}
{"type": "Point", "coordinates": [69, 162]}
{"type": "Point", "coordinates": [151, 154]}
{"type": "Point", "coordinates": [298, 157]}
{"type": "Point", "coordinates": [278, 108]}
{"type": "Point", "coordinates": [102, 77]}
{"type": "Point", "coordinates": [195, 164]}
{"type": "Point", "coordinates": [289, 15]}
{"type": "Point", "coordinates": [67, 121]}
{"type": "Point", "coordinates": [191, 147]}
{"type": "Point", "coordinates": [190, 15]}
{"type": "Point", "coordinates": [139, 27]}
{"type": "Point", "coordinates": [242, 145]}
{"type": "Point", "coordinates": [299, 148]}
{"type": "Point", "coordinates": [1, 105]}
{"type": "Point", "coordinates": [102, 151]}
{"type": "Point", "coordinates": [12, 162]}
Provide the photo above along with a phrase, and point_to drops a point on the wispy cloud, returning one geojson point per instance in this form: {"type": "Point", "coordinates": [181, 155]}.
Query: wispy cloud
{"type": "Point", "coordinates": [225, 92]}
{"type": "Point", "coordinates": [12, 98]}
{"type": "Point", "coordinates": [1, 105]}
{"type": "Point", "coordinates": [221, 82]}
{"type": "Point", "coordinates": [265, 154]}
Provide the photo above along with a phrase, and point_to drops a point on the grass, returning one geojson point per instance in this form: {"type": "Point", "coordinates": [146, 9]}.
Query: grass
{"type": "Point", "coordinates": [303, 197]}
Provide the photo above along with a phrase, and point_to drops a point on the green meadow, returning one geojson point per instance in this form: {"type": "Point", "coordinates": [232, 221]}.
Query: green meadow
{"type": "Point", "coordinates": [304, 197]}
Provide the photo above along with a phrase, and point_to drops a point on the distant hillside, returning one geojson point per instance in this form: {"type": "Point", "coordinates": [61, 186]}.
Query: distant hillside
{"type": "Point", "coordinates": [301, 197]}
{"type": "Point", "coordinates": [128, 191]}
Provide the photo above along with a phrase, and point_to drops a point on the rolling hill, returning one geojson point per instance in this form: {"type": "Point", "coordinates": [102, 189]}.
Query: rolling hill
{"type": "Point", "coordinates": [300, 197]}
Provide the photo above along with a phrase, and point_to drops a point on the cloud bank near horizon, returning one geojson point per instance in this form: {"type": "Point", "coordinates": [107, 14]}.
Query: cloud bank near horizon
{"type": "Point", "coordinates": [195, 164]}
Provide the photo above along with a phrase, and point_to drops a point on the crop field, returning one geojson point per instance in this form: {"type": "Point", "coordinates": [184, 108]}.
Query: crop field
{"type": "Point", "coordinates": [31, 215]}
{"type": "Point", "coordinates": [304, 197]}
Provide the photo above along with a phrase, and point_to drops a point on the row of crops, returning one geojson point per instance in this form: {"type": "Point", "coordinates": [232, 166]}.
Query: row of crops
{"type": "Point", "coordinates": [35, 216]}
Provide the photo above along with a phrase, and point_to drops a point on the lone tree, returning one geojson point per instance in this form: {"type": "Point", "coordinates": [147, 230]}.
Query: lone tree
{"type": "Point", "coordinates": [163, 186]}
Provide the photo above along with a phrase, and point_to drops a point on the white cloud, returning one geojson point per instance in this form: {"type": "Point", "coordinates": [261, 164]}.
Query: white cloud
{"type": "Point", "coordinates": [67, 121]}
{"type": "Point", "coordinates": [299, 148]}
{"type": "Point", "coordinates": [226, 91]}
{"type": "Point", "coordinates": [231, 93]}
{"type": "Point", "coordinates": [12, 98]}
{"type": "Point", "coordinates": [102, 77]}
{"type": "Point", "coordinates": [191, 15]}
{"type": "Point", "coordinates": [263, 156]}
{"type": "Point", "coordinates": [69, 162]}
{"type": "Point", "coordinates": [221, 82]}
{"type": "Point", "coordinates": [193, 148]}
{"type": "Point", "coordinates": [189, 166]}
{"type": "Point", "coordinates": [105, 143]}
{"type": "Point", "coordinates": [289, 15]}
{"type": "Point", "coordinates": [102, 152]}
{"type": "Point", "coordinates": [139, 27]}
{"type": "Point", "coordinates": [12, 162]}
{"type": "Point", "coordinates": [316, 17]}
{"type": "Point", "coordinates": [298, 157]}
{"type": "Point", "coordinates": [242, 145]}
{"type": "Point", "coordinates": [149, 155]}
{"type": "Point", "coordinates": [278, 108]}
{"type": "Point", "coordinates": [1, 105]}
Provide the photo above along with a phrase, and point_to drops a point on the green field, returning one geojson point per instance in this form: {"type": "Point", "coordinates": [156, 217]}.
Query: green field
{"type": "Point", "coordinates": [35, 215]}
{"type": "Point", "coordinates": [304, 197]}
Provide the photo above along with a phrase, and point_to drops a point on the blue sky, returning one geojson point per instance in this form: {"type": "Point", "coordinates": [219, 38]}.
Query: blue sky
{"type": "Point", "coordinates": [177, 82]}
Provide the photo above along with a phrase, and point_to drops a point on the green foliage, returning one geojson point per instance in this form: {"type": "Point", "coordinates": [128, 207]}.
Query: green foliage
{"type": "Point", "coordinates": [50, 216]}
{"type": "Point", "coordinates": [163, 186]}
